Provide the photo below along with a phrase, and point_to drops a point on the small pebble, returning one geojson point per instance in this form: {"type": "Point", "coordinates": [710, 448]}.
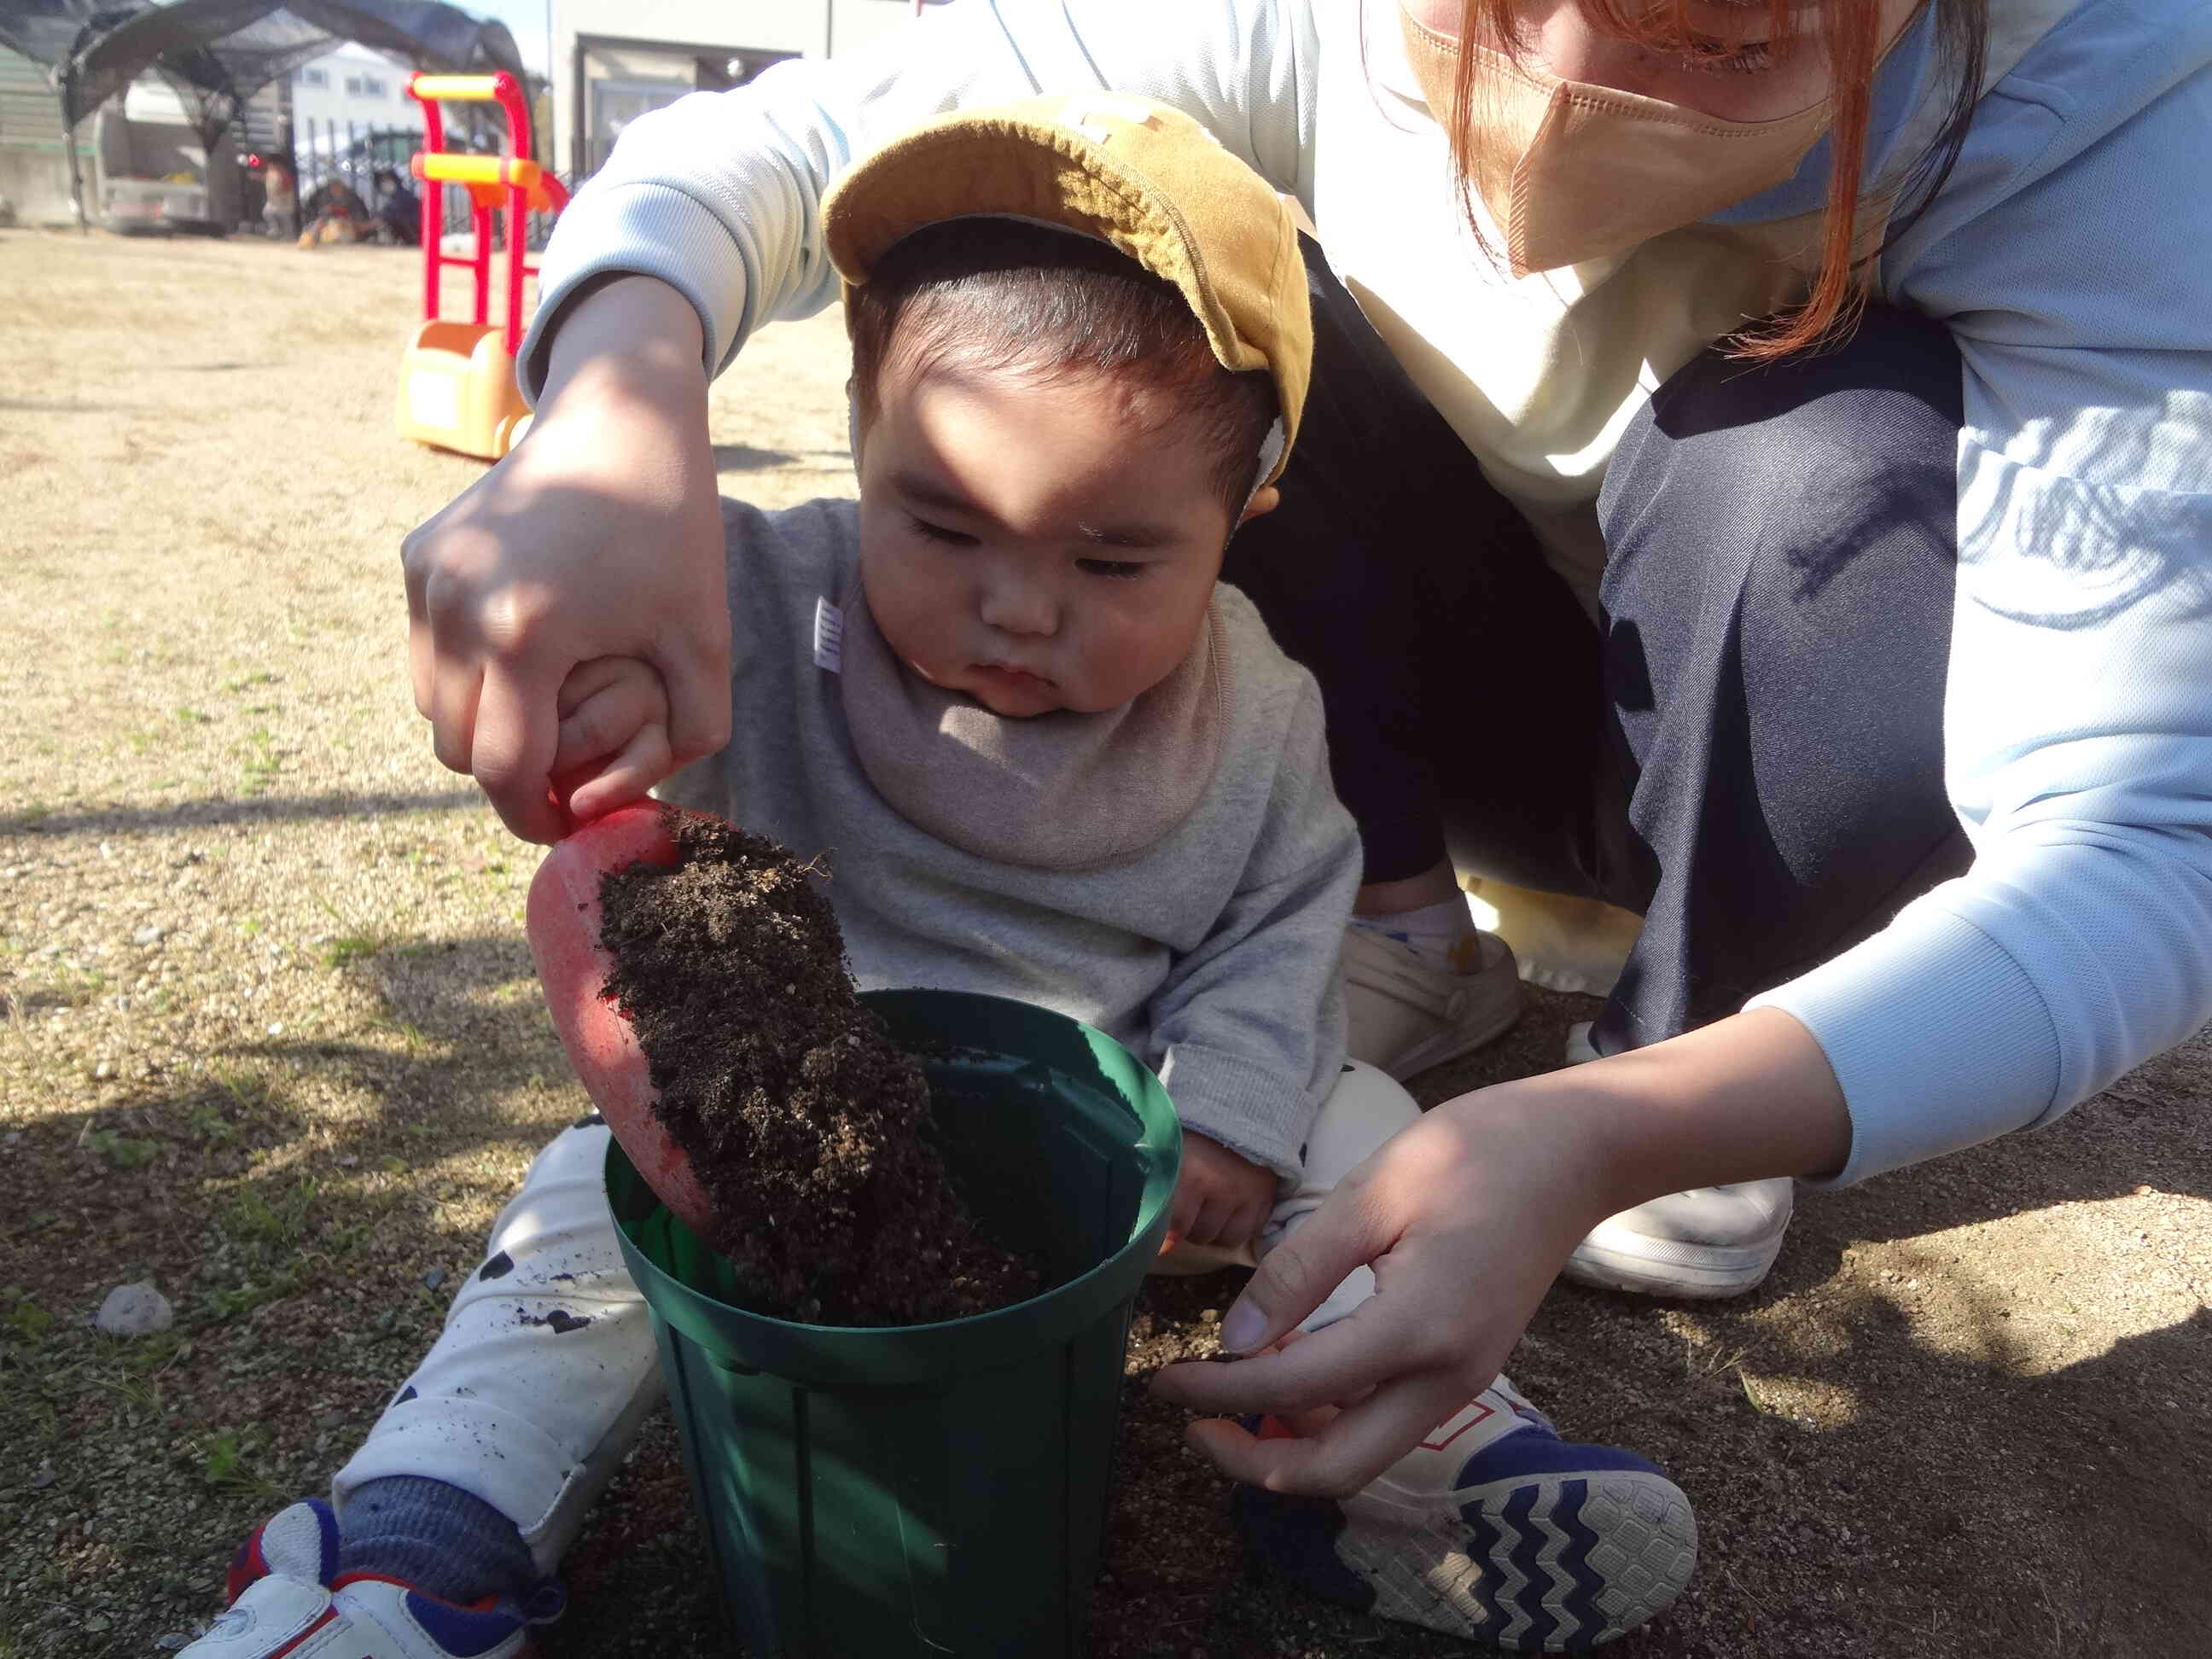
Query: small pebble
{"type": "Point", "coordinates": [435, 1278]}
{"type": "Point", "coordinates": [104, 1071]}
{"type": "Point", "coordinates": [150, 935]}
{"type": "Point", "coordinates": [45, 1477]}
{"type": "Point", "coordinates": [134, 1310]}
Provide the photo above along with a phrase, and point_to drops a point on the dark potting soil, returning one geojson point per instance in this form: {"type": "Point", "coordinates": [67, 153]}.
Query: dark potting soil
{"type": "Point", "coordinates": [807, 1126]}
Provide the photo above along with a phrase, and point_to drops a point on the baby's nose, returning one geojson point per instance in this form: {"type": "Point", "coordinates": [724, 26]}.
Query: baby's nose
{"type": "Point", "coordinates": [1021, 607]}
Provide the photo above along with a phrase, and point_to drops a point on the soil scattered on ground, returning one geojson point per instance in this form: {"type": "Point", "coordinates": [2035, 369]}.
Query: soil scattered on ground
{"type": "Point", "coordinates": [807, 1125]}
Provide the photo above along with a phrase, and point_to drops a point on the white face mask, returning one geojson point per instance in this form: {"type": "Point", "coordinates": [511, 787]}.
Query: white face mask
{"type": "Point", "coordinates": [1572, 172]}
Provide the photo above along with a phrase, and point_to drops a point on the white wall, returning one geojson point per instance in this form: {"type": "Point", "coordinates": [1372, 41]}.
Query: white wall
{"type": "Point", "coordinates": [331, 102]}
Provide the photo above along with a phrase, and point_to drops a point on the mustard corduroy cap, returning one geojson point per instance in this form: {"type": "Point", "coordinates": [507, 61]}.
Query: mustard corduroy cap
{"type": "Point", "coordinates": [1146, 178]}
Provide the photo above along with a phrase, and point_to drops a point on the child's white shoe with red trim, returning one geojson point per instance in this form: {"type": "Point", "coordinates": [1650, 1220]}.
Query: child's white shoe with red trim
{"type": "Point", "coordinates": [290, 1601]}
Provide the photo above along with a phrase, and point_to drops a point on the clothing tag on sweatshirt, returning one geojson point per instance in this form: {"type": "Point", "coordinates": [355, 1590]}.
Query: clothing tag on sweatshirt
{"type": "Point", "coordinates": [829, 636]}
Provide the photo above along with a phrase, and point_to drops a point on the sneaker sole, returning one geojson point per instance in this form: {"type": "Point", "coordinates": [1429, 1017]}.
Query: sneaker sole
{"type": "Point", "coordinates": [1559, 1563]}
{"type": "Point", "coordinates": [1656, 1267]}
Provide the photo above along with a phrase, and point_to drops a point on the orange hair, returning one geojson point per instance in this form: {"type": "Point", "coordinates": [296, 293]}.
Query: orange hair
{"type": "Point", "coordinates": [1851, 29]}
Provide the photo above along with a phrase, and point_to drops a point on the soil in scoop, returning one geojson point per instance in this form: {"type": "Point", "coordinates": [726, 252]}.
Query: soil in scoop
{"type": "Point", "coordinates": [807, 1126]}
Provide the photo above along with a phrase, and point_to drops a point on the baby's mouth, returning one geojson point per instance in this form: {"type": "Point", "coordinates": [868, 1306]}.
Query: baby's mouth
{"type": "Point", "coordinates": [1000, 674]}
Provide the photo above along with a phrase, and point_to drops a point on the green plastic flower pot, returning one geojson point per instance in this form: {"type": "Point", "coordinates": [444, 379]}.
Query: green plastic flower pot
{"type": "Point", "coordinates": [931, 1489]}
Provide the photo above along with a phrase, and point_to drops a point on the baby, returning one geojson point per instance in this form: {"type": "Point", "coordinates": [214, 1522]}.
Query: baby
{"type": "Point", "coordinates": [1049, 756]}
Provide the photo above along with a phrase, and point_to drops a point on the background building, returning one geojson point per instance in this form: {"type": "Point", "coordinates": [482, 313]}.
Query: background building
{"type": "Point", "coordinates": [352, 85]}
{"type": "Point", "coordinates": [614, 60]}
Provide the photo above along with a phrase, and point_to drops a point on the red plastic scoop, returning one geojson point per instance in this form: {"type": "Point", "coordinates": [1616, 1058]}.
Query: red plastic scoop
{"type": "Point", "coordinates": [572, 967]}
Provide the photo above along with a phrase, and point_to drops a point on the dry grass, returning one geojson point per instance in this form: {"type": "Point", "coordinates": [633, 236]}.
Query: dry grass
{"type": "Point", "coordinates": [1969, 1415]}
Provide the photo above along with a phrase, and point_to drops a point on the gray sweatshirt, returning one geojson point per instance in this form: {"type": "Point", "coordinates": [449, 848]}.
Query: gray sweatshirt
{"type": "Point", "coordinates": [1210, 954]}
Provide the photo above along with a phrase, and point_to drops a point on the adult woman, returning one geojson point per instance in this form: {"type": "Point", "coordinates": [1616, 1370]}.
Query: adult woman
{"type": "Point", "coordinates": [1811, 615]}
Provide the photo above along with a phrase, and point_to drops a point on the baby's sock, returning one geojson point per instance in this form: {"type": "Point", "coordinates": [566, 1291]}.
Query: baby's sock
{"type": "Point", "coordinates": [1443, 933]}
{"type": "Point", "coordinates": [444, 1542]}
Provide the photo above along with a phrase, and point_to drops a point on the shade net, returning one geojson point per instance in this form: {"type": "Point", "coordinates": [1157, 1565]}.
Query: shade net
{"type": "Point", "coordinates": [43, 31]}
{"type": "Point", "coordinates": [215, 54]}
{"type": "Point", "coordinates": [218, 53]}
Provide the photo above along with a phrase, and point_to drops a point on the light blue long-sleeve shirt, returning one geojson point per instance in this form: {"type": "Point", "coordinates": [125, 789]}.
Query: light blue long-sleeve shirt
{"type": "Point", "coordinates": [2070, 254]}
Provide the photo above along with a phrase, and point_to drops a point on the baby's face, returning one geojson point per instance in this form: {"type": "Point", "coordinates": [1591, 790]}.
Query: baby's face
{"type": "Point", "coordinates": [1036, 548]}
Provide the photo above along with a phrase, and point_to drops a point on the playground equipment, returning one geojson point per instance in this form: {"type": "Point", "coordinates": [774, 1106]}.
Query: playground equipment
{"type": "Point", "coordinates": [457, 386]}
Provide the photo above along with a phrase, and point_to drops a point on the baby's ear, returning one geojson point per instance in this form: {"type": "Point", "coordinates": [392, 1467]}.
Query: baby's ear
{"type": "Point", "coordinates": [1264, 500]}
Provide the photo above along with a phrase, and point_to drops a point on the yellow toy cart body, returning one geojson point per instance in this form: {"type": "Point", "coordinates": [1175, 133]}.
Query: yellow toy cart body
{"type": "Point", "coordinates": [457, 390]}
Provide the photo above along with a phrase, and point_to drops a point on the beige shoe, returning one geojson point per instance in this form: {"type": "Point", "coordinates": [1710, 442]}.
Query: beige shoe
{"type": "Point", "coordinates": [1406, 1014]}
{"type": "Point", "coordinates": [1560, 942]}
{"type": "Point", "coordinates": [1708, 1243]}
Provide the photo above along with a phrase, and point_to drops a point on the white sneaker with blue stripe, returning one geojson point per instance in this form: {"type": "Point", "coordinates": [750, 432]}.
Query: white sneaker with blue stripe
{"type": "Point", "coordinates": [288, 1600]}
{"type": "Point", "coordinates": [1493, 1529]}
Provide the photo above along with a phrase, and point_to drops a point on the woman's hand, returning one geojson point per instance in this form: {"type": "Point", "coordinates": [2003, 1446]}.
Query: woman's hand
{"type": "Point", "coordinates": [1466, 1217]}
{"type": "Point", "coordinates": [599, 535]}
{"type": "Point", "coordinates": [1221, 1199]}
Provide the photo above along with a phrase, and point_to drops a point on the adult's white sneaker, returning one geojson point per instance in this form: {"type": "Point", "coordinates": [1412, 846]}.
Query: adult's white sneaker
{"type": "Point", "coordinates": [1702, 1245]}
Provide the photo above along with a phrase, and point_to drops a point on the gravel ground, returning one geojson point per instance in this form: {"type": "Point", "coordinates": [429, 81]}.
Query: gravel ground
{"type": "Point", "coordinates": [269, 1037]}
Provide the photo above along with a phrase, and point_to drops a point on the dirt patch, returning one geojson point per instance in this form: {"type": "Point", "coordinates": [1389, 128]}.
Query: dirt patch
{"type": "Point", "coordinates": [806, 1124]}
{"type": "Point", "coordinates": [269, 1033]}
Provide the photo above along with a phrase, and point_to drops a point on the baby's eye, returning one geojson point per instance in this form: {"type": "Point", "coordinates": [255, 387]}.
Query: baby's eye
{"type": "Point", "coordinates": [1120, 569]}
{"type": "Point", "coordinates": [1709, 56]}
{"type": "Point", "coordinates": [937, 532]}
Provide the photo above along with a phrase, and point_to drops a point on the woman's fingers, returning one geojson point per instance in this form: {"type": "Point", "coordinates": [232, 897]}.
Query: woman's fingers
{"type": "Point", "coordinates": [453, 713]}
{"type": "Point", "coordinates": [512, 748]}
{"type": "Point", "coordinates": [1295, 1276]}
{"type": "Point", "coordinates": [695, 660]}
{"type": "Point", "coordinates": [1347, 1450]}
{"type": "Point", "coordinates": [1339, 1362]}
{"type": "Point", "coordinates": [422, 646]}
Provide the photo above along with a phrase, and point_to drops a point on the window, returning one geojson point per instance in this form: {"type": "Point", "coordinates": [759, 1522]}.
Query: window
{"type": "Point", "coordinates": [616, 104]}
{"type": "Point", "coordinates": [314, 77]}
{"type": "Point", "coordinates": [374, 86]}
{"type": "Point", "coordinates": [353, 86]}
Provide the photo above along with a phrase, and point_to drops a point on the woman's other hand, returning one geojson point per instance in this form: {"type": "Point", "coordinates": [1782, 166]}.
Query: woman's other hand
{"type": "Point", "coordinates": [1466, 1217]}
{"type": "Point", "coordinates": [599, 535]}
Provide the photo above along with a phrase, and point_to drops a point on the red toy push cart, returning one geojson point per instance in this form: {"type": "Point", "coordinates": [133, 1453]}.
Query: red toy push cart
{"type": "Point", "coordinates": [457, 386]}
